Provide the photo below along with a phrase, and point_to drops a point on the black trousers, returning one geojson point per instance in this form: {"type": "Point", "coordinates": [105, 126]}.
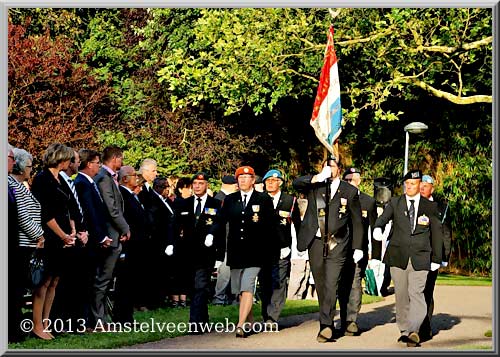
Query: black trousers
{"type": "Point", "coordinates": [201, 292]}
{"type": "Point", "coordinates": [18, 273]}
{"type": "Point", "coordinates": [426, 328]}
{"type": "Point", "coordinates": [73, 295]}
{"type": "Point", "coordinates": [327, 273]}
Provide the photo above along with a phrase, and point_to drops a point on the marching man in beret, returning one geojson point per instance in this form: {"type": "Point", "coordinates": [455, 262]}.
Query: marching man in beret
{"type": "Point", "coordinates": [345, 235]}
{"type": "Point", "coordinates": [196, 215]}
{"type": "Point", "coordinates": [252, 229]}
{"type": "Point", "coordinates": [351, 305]}
{"type": "Point", "coordinates": [274, 275]}
{"type": "Point", "coordinates": [414, 249]}
{"type": "Point", "coordinates": [427, 190]}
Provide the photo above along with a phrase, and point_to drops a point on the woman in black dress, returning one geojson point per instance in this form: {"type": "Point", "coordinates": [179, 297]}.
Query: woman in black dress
{"type": "Point", "coordinates": [57, 224]}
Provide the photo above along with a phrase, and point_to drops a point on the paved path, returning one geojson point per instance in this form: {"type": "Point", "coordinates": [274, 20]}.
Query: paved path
{"type": "Point", "coordinates": [461, 317]}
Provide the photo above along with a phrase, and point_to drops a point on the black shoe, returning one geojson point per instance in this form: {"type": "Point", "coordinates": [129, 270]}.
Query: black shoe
{"type": "Point", "coordinates": [413, 340]}
{"type": "Point", "coordinates": [240, 333]}
{"type": "Point", "coordinates": [352, 329]}
{"type": "Point", "coordinates": [403, 338]}
{"type": "Point", "coordinates": [325, 334]}
{"type": "Point", "coordinates": [183, 303]}
{"type": "Point", "coordinates": [174, 304]}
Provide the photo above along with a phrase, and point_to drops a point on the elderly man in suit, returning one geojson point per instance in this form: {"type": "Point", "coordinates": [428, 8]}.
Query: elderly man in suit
{"type": "Point", "coordinates": [163, 238]}
{"type": "Point", "coordinates": [196, 216]}
{"type": "Point", "coordinates": [274, 275]}
{"type": "Point", "coordinates": [427, 190]}
{"type": "Point", "coordinates": [414, 250]}
{"type": "Point", "coordinates": [252, 229]}
{"type": "Point", "coordinates": [130, 268]}
{"type": "Point", "coordinates": [351, 303]}
{"type": "Point", "coordinates": [118, 228]}
{"type": "Point", "coordinates": [329, 250]}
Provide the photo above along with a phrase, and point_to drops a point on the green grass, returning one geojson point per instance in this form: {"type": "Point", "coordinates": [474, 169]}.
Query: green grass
{"type": "Point", "coordinates": [450, 279]}
{"type": "Point", "coordinates": [475, 347]}
{"type": "Point", "coordinates": [122, 339]}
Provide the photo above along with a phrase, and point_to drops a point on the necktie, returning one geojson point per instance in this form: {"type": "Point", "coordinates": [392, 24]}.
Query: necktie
{"type": "Point", "coordinates": [244, 201]}
{"type": "Point", "coordinates": [115, 178]}
{"type": "Point", "coordinates": [197, 211]}
{"type": "Point", "coordinates": [97, 190]}
{"type": "Point", "coordinates": [138, 200]}
{"type": "Point", "coordinates": [75, 195]}
{"type": "Point", "coordinates": [411, 212]}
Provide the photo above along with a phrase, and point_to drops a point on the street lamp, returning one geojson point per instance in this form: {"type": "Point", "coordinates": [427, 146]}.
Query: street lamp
{"type": "Point", "coordinates": [414, 128]}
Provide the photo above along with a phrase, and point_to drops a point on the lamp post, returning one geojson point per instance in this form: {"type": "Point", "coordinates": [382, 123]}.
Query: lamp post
{"type": "Point", "coordinates": [414, 128]}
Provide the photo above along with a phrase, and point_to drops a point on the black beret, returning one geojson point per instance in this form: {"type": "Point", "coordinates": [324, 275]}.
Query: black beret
{"type": "Point", "coordinates": [413, 174]}
{"type": "Point", "coordinates": [350, 171]}
{"type": "Point", "coordinates": [200, 176]}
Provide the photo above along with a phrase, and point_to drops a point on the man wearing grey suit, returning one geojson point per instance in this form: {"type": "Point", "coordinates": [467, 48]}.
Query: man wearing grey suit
{"type": "Point", "coordinates": [118, 229]}
{"type": "Point", "coordinates": [414, 249]}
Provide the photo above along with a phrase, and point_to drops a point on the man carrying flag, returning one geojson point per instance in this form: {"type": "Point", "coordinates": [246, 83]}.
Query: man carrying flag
{"type": "Point", "coordinates": [332, 225]}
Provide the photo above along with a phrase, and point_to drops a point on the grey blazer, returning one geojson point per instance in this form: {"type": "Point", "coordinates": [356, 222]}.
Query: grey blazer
{"type": "Point", "coordinates": [113, 200]}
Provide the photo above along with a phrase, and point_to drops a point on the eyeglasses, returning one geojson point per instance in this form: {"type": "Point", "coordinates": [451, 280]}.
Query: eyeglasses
{"type": "Point", "coordinates": [12, 157]}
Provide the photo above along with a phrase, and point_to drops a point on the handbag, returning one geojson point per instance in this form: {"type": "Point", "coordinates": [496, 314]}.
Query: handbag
{"type": "Point", "coordinates": [37, 268]}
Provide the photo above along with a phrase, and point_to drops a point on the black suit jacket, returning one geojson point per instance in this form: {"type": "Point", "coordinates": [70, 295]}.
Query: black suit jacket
{"type": "Point", "coordinates": [444, 217]}
{"type": "Point", "coordinates": [74, 211]}
{"type": "Point", "coordinates": [94, 210]}
{"type": "Point", "coordinates": [423, 245]}
{"type": "Point", "coordinates": [136, 217]}
{"type": "Point", "coordinates": [253, 231]}
{"type": "Point", "coordinates": [287, 211]}
{"type": "Point", "coordinates": [346, 226]}
{"type": "Point", "coordinates": [193, 232]}
{"type": "Point", "coordinates": [369, 217]}
{"type": "Point", "coordinates": [162, 227]}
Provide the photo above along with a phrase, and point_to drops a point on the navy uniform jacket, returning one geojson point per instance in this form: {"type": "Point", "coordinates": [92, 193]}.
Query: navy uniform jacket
{"type": "Point", "coordinates": [369, 216]}
{"type": "Point", "coordinates": [193, 232]}
{"type": "Point", "coordinates": [423, 245]}
{"type": "Point", "coordinates": [253, 234]}
{"type": "Point", "coordinates": [94, 210]}
{"type": "Point", "coordinates": [444, 209]}
{"type": "Point", "coordinates": [342, 224]}
{"type": "Point", "coordinates": [287, 211]}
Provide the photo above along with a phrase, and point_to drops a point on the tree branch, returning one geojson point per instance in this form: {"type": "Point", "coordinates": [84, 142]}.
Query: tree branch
{"type": "Point", "coordinates": [448, 96]}
{"type": "Point", "coordinates": [466, 46]}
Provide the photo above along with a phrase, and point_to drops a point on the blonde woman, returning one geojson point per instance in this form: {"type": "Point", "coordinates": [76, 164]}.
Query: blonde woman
{"type": "Point", "coordinates": [58, 226]}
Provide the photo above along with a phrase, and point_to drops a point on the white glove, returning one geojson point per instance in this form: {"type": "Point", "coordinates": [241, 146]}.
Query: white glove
{"type": "Point", "coordinates": [377, 234]}
{"type": "Point", "coordinates": [169, 250]}
{"type": "Point", "coordinates": [301, 253]}
{"type": "Point", "coordinates": [444, 264]}
{"type": "Point", "coordinates": [358, 254]}
{"type": "Point", "coordinates": [218, 263]}
{"type": "Point", "coordinates": [324, 174]}
{"type": "Point", "coordinates": [209, 240]}
{"type": "Point", "coordinates": [285, 252]}
{"type": "Point", "coordinates": [435, 266]}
